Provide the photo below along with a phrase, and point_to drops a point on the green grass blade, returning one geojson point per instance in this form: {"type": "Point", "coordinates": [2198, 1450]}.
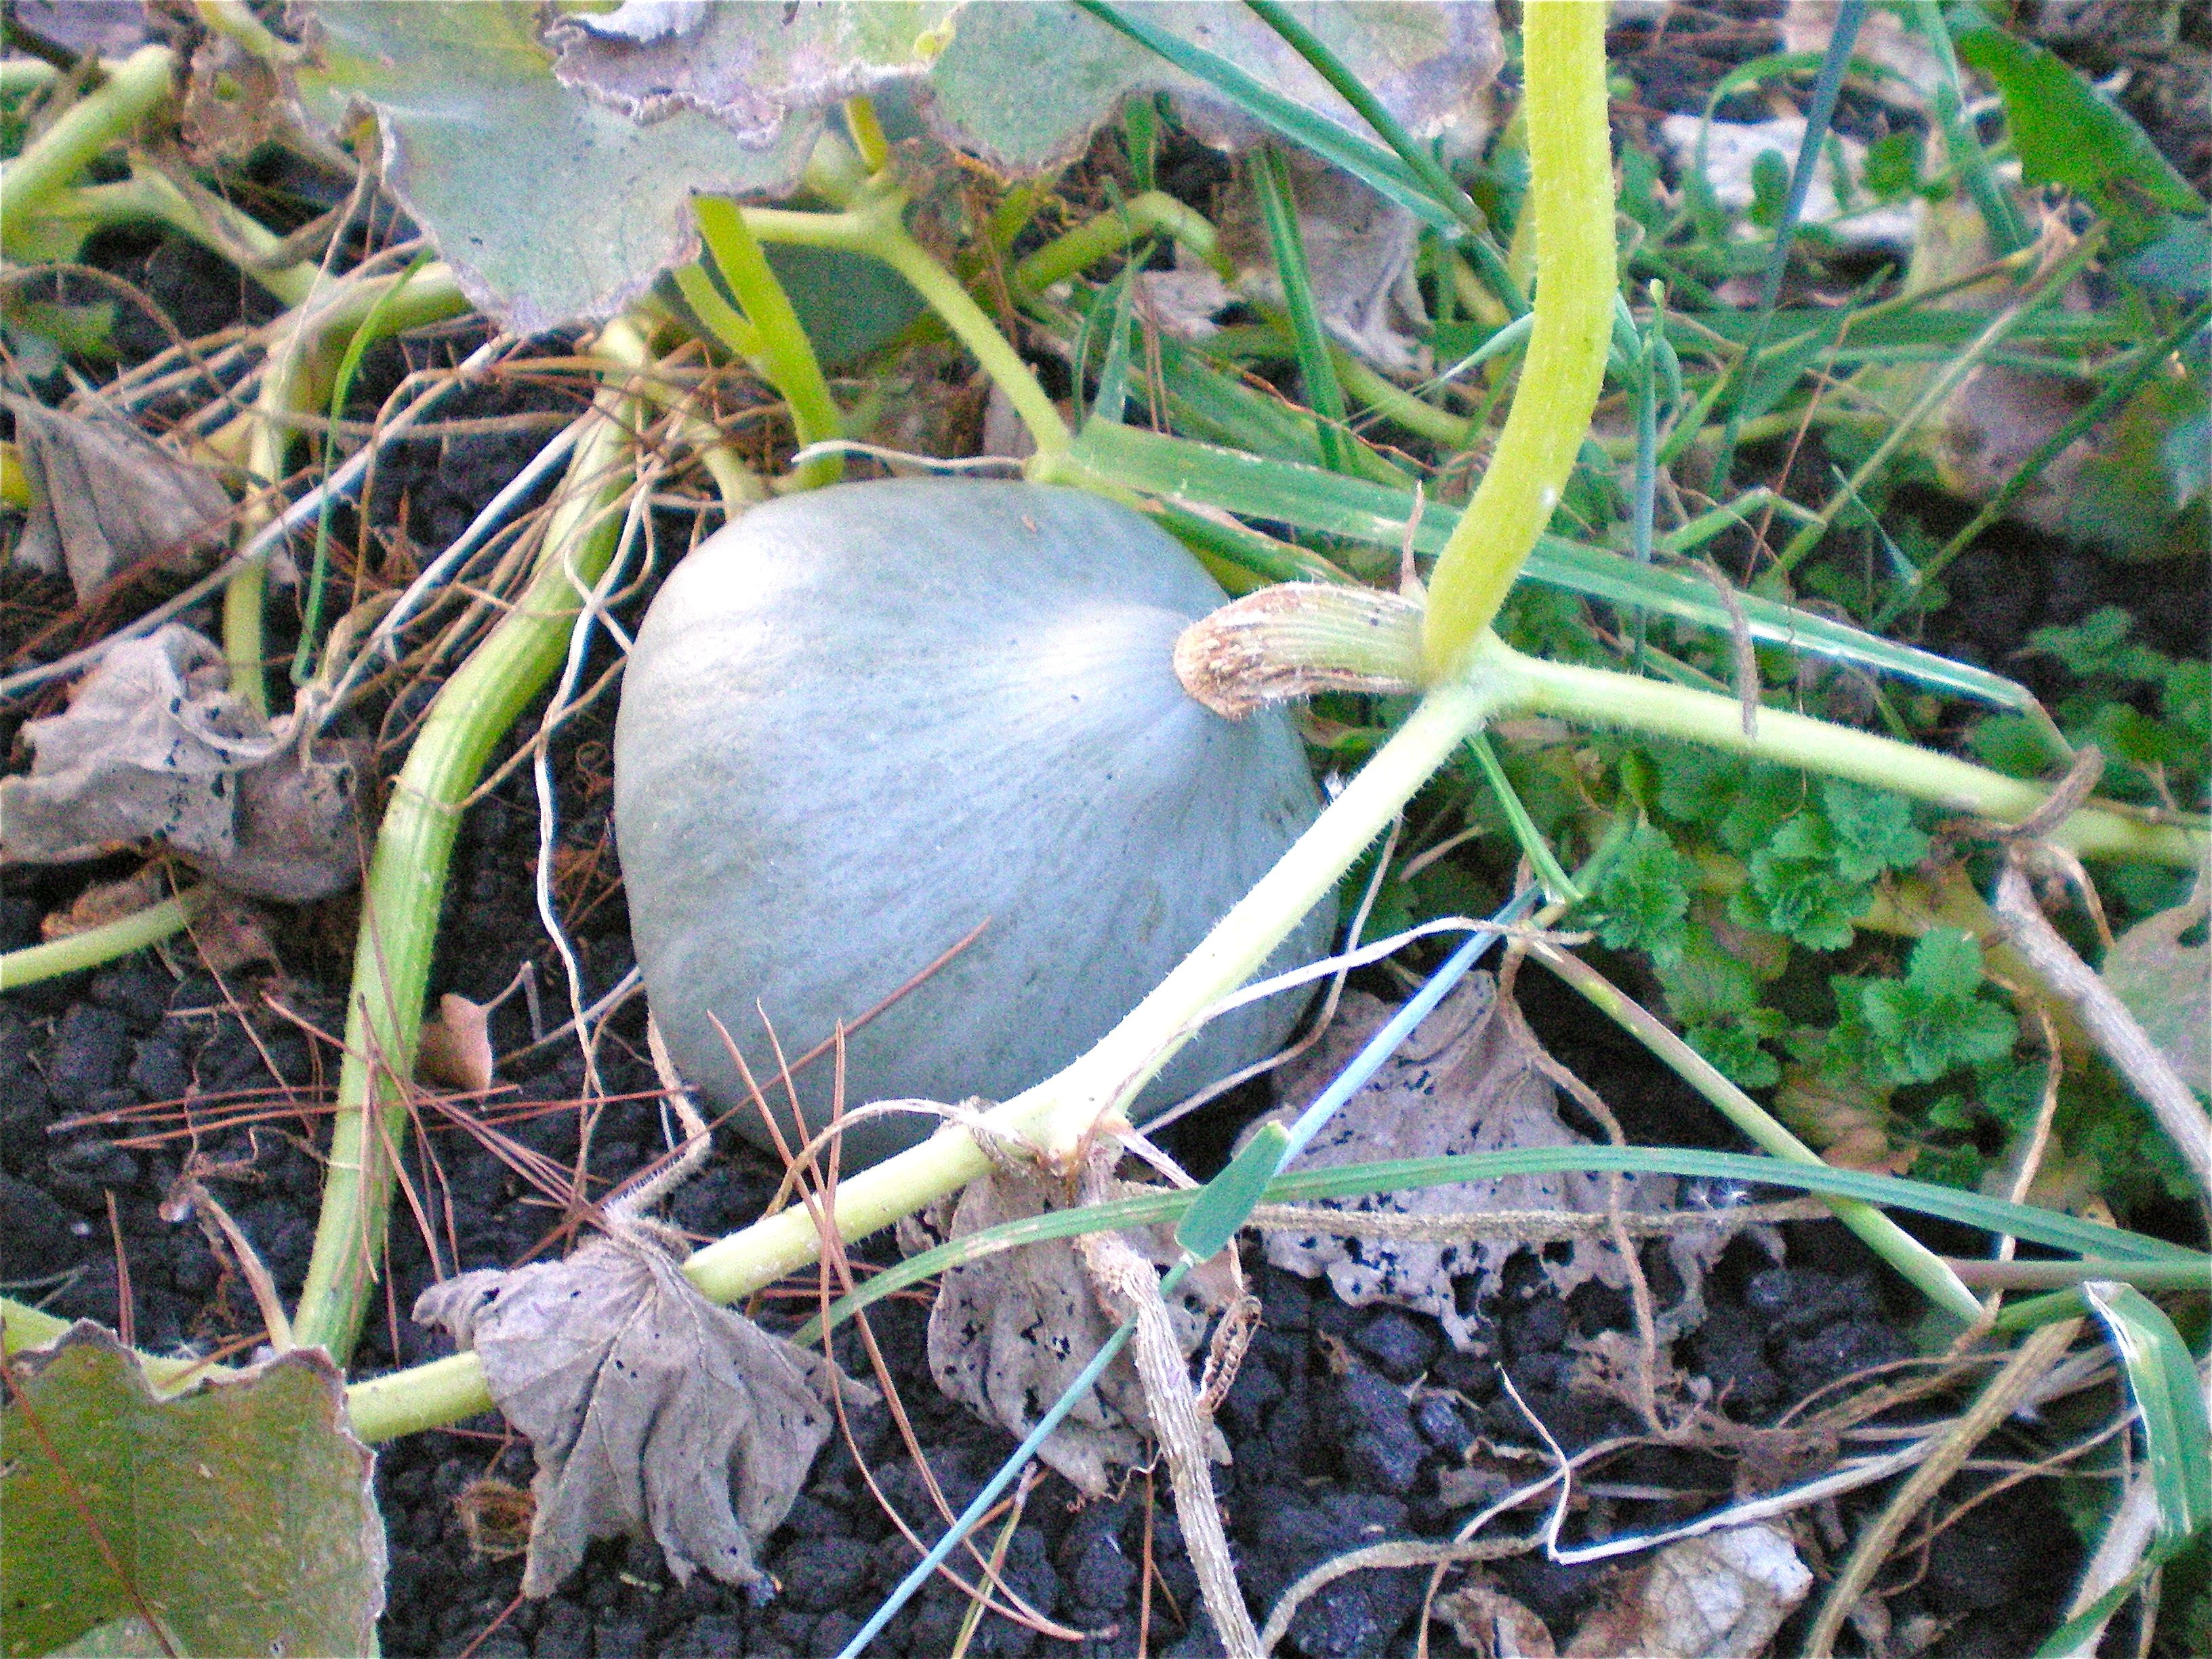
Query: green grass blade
{"type": "Point", "coordinates": [1849, 15]}
{"type": "Point", "coordinates": [1278, 209]}
{"type": "Point", "coordinates": [1363, 158]}
{"type": "Point", "coordinates": [2049, 1228]}
{"type": "Point", "coordinates": [1442, 187]}
{"type": "Point", "coordinates": [1205, 475]}
{"type": "Point", "coordinates": [2170, 1396]}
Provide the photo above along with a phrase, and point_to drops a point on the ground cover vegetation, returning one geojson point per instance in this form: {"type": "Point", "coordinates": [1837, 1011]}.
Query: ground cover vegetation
{"type": "Point", "coordinates": [1716, 494]}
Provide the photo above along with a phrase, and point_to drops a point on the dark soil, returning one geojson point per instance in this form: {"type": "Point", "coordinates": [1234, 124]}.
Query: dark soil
{"type": "Point", "coordinates": [1340, 1421]}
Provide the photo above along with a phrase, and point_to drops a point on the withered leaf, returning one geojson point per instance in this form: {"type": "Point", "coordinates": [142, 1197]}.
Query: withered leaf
{"type": "Point", "coordinates": [1011, 1331]}
{"type": "Point", "coordinates": [455, 1048]}
{"type": "Point", "coordinates": [105, 497]}
{"type": "Point", "coordinates": [1467, 1080]}
{"type": "Point", "coordinates": [1360, 248]}
{"type": "Point", "coordinates": [1493, 1625]}
{"type": "Point", "coordinates": [1721, 1597]}
{"type": "Point", "coordinates": [2168, 985]}
{"type": "Point", "coordinates": [648, 1407]}
{"type": "Point", "coordinates": [155, 747]}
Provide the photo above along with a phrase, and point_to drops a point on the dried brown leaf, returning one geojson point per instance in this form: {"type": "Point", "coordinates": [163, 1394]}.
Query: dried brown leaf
{"type": "Point", "coordinates": [645, 1404]}
{"type": "Point", "coordinates": [232, 102]}
{"type": "Point", "coordinates": [2167, 986]}
{"type": "Point", "coordinates": [231, 933]}
{"type": "Point", "coordinates": [153, 746]}
{"type": "Point", "coordinates": [106, 901]}
{"type": "Point", "coordinates": [1721, 1597]}
{"type": "Point", "coordinates": [1468, 1080]}
{"type": "Point", "coordinates": [106, 498]}
{"type": "Point", "coordinates": [1011, 1331]}
{"type": "Point", "coordinates": [1492, 1625]}
{"type": "Point", "coordinates": [1359, 253]}
{"type": "Point", "coordinates": [456, 1047]}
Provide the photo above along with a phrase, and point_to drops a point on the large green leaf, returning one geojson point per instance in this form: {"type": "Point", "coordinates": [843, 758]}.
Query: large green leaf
{"type": "Point", "coordinates": [242, 1512]}
{"type": "Point", "coordinates": [549, 207]}
{"type": "Point", "coordinates": [553, 166]}
{"type": "Point", "coordinates": [1023, 86]}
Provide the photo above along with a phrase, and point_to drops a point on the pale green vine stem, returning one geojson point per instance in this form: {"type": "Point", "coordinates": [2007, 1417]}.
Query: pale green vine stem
{"type": "Point", "coordinates": [76, 952]}
{"type": "Point", "coordinates": [874, 229]}
{"type": "Point", "coordinates": [1522, 685]}
{"type": "Point", "coordinates": [218, 227]}
{"type": "Point", "coordinates": [306, 345]}
{"type": "Point", "coordinates": [1059, 1112]}
{"type": "Point", "coordinates": [138, 85]}
{"type": "Point", "coordinates": [1114, 230]}
{"type": "Point", "coordinates": [1570, 190]}
{"type": "Point", "coordinates": [405, 889]}
{"type": "Point", "coordinates": [785, 354]}
{"type": "Point", "coordinates": [1921, 1266]}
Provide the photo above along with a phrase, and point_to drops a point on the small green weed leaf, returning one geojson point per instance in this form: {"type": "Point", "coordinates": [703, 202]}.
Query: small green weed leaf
{"type": "Point", "coordinates": [2170, 1395]}
{"type": "Point", "coordinates": [1744, 804]}
{"type": "Point", "coordinates": [2167, 986]}
{"type": "Point", "coordinates": [1927, 1024]}
{"type": "Point", "coordinates": [550, 208]}
{"type": "Point", "coordinates": [2099, 647]}
{"type": "Point", "coordinates": [1871, 830]}
{"type": "Point", "coordinates": [2069, 134]}
{"type": "Point", "coordinates": [1644, 896]}
{"type": "Point", "coordinates": [1736, 1053]}
{"type": "Point", "coordinates": [242, 1509]}
{"type": "Point", "coordinates": [1803, 899]}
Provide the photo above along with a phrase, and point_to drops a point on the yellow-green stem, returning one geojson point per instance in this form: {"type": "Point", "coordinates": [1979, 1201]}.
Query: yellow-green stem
{"type": "Point", "coordinates": [138, 85]}
{"type": "Point", "coordinates": [786, 355]}
{"type": "Point", "coordinates": [874, 229]}
{"type": "Point", "coordinates": [1570, 192]}
{"type": "Point", "coordinates": [1113, 230]}
{"type": "Point", "coordinates": [76, 952]}
{"type": "Point", "coordinates": [305, 346]}
{"type": "Point", "coordinates": [1571, 208]}
{"type": "Point", "coordinates": [406, 888]}
{"type": "Point", "coordinates": [1915, 1260]}
{"type": "Point", "coordinates": [1597, 696]}
{"type": "Point", "coordinates": [1057, 1113]}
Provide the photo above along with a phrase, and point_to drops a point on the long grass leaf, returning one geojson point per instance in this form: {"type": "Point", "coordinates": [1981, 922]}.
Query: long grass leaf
{"type": "Point", "coordinates": [2170, 1398]}
{"type": "Point", "coordinates": [1207, 475]}
{"type": "Point", "coordinates": [2049, 1228]}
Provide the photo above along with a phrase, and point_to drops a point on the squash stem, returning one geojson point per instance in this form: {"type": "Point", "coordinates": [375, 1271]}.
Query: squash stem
{"type": "Point", "coordinates": [74, 953]}
{"type": "Point", "coordinates": [1114, 229]}
{"type": "Point", "coordinates": [135, 89]}
{"type": "Point", "coordinates": [1571, 190]}
{"type": "Point", "coordinates": [1598, 696]}
{"type": "Point", "coordinates": [874, 229]}
{"type": "Point", "coordinates": [403, 897]}
{"type": "Point", "coordinates": [1057, 1113]}
{"type": "Point", "coordinates": [786, 355]}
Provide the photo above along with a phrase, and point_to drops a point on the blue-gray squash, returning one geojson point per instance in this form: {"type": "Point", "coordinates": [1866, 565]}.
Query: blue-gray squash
{"type": "Point", "coordinates": [861, 721]}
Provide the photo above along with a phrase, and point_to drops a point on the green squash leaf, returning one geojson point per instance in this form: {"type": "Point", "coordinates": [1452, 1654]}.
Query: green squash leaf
{"type": "Point", "coordinates": [242, 1509]}
{"type": "Point", "coordinates": [550, 208]}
